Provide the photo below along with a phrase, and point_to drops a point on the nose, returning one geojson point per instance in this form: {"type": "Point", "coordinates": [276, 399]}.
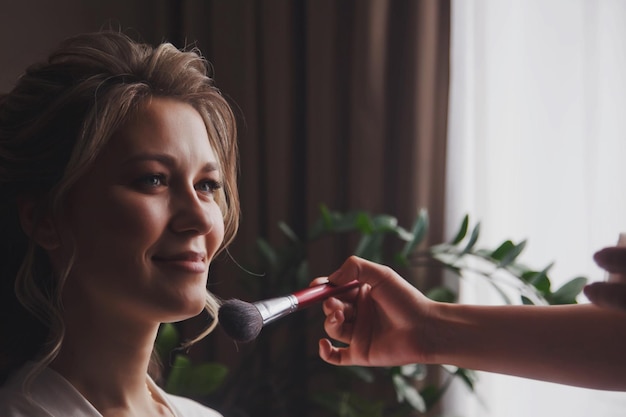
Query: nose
{"type": "Point", "coordinates": [191, 214]}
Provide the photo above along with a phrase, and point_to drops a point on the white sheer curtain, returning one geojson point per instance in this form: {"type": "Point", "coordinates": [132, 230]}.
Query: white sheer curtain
{"type": "Point", "coordinates": [537, 151]}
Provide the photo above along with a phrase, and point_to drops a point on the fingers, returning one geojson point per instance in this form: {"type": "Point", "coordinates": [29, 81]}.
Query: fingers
{"type": "Point", "coordinates": [338, 355]}
{"type": "Point", "coordinates": [337, 327]}
{"type": "Point", "coordinates": [333, 304]}
{"type": "Point", "coordinates": [612, 259]}
{"type": "Point", "coordinates": [318, 281]}
{"type": "Point", "coordinates": [362, 270]}
{"type": "Point", "coordinates": [332, 354]}
{"type": "Point", "coordinates": [606, 294]}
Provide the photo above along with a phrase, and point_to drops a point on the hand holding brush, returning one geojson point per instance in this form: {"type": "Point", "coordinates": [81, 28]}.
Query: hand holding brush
{"type": "Point", "coordinates": [243, 321]}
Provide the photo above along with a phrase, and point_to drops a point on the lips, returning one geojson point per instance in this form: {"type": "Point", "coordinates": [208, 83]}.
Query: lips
{"type": "Point", "coordinates": [183, 261]}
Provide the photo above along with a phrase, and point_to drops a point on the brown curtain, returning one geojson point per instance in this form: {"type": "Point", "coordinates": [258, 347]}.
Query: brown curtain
{"type": "Point", "coordinates": [342, 103]}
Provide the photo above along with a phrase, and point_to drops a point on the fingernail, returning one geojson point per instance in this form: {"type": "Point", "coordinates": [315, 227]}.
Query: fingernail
{"type": "Point", "coordinates": [333, 318]}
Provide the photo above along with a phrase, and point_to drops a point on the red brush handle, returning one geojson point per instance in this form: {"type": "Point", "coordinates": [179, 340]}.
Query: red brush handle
{"type": "Point", "coordinates": [312, 295]}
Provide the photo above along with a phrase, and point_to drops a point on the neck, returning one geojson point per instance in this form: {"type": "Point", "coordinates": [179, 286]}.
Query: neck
{"type": "Point", "coordinates": [107, 360]}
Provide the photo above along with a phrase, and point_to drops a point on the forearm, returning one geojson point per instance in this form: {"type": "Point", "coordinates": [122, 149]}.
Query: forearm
{"type": "Point", "coordinates": [579, 345]}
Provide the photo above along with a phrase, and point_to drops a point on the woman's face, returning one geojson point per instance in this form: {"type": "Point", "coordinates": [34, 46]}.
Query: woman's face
{"type": "Point", "coordinates": [143, 221]}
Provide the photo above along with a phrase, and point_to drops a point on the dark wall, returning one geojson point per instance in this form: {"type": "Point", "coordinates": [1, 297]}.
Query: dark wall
{"type": "Point", "coordinates": [29, 29]}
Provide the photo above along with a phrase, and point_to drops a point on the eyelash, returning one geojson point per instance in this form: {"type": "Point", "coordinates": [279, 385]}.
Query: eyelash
{"type": "Point", "coordinates": [213, 186]}
{"type": "Point", "coordinates": [148, 181]}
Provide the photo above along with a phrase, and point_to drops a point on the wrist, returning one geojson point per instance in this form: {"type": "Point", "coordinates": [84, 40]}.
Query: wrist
{"type": "Point", "coordinates": [441, 335]}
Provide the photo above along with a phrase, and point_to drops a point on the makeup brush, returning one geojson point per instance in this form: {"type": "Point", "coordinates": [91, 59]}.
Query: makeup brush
{"type": "Point", "coordinates": [243, 321]}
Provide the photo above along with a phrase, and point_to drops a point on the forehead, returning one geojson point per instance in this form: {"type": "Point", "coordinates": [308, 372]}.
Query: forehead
{"type": "Point", "coordinates": [163, 126]}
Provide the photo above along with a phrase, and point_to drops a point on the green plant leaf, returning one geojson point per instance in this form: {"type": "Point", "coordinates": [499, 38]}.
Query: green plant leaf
{"type": "Point", "coordinates": [407, 392]}
{"type": "Point", "coordinates": [288, 231]}
{"type": "Point", "coordinates": [468, 376]}
{"type": "Point", "coordinates": [460, 235]}
{"type": "Point", "coordinates": [454, 269]}
{"type": "Point", "coordinates": [431, 394]}
{"type": "Point", "coordinates": [349, 222]}
{"type": "Point", "coordinates": [322, 225]}
{"type": "Point", "coordinates": [370, 247]}
{"type": "Point", "coordinates": [533, 277]}
{"type": "Point", "coordinates": [325, 213]}
{"type": "Point", "coordinates": [204, 378]}
{"type": "Point", "coordinates": [364, 223]}
{"type": "Point", "coordinates": [568, 292]}
{"type": "Point", "coordinates": [267, 252]}
{"type": "Point", "coordinates": [194, 380]}
{"type": "Point", "coordinates": [441, 248]}
{"type": "Point", "coordinates": [402, 233]}
{"type": "Point", "coordinates": [502, 250]}
{"type": "Point", "coordinates": [175, 383]}
{"type": "Point", "coordinates": [483, 253]}
{"type": "Point", "coordinates": [473, 239]}
{"type": "Point", "coordinates": [538, 279]}
{"type": "Point", "coordinates": [384, 223]}
{"type": "Point", "coordinates": [542, 284]}
{"type": "Point", "coordinates": [505, 298]}
{"type": "Point", "coordinates": [362, 373]}
{"type": "Point", "coordinates": [166, 341]}
{"type": "Point", "coordinates": [512, 254]}
{"type": "Point", "coordinates": [414, 371]}
{"type": "Point", "coordinates": [401, 260]}
{"type": "Point", "coordinates": [337, 222]}
{"type": "Point", "coordinates": [330, 218]}
{"type": "Point", "coordinates": [442, 294]}
{"type": "Point", "coordinates": [448, 261]}
{"type": "Point", "coordinates": [419, 229]}
{"type": "Point", "coordinates": [302, 273]}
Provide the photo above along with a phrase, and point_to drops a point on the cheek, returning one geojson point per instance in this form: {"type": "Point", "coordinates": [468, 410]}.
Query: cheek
{"type": "Point", "coordinates": [118, 224]}
{"type": "Point", "coordinates": [216, 236]}
{"type": "Point", "coordinates": [136, 218]}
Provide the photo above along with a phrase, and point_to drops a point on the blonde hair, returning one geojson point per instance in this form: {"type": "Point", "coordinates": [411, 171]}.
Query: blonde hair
{"type": "Point", "coordinates": [57, 119]}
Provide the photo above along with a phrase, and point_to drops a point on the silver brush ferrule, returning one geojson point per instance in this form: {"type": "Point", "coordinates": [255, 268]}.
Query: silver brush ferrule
{"type": "Point", "coordinates": [275, 308]}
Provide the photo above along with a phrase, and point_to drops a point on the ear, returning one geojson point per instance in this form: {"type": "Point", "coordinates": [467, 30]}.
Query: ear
{"type": "Point", "coordinates": [36, 223]}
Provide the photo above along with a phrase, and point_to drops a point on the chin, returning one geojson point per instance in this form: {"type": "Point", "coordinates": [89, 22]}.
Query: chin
{"type": "Point", "coordinates": [197, 309]}
{"type": "Point", "coordinates": [184, 309]}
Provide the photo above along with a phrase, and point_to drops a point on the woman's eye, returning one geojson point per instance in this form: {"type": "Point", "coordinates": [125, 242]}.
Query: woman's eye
{"type": "Point", "coordinates": [208, 186]}
{"type": "Point", "coordinates": [152, 181]}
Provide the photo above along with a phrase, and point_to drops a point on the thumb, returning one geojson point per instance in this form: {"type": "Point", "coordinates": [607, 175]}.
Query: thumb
{"type": "Point", "coordinates": [334, 355]}
{"type": "Point", "coordinates": [607, 294]}
{"type": "Point", "coordinates": [365, 271]}
{"type": "Point", "coordinates": [612, 259]}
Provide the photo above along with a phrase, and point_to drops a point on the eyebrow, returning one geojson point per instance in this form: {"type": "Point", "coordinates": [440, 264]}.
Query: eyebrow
{"type": "Point", "coordinates": [167, 160]}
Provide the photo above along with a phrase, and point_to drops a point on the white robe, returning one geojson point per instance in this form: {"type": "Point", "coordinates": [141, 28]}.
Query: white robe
{"type": "Point", "coordinates": [51, 395]}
